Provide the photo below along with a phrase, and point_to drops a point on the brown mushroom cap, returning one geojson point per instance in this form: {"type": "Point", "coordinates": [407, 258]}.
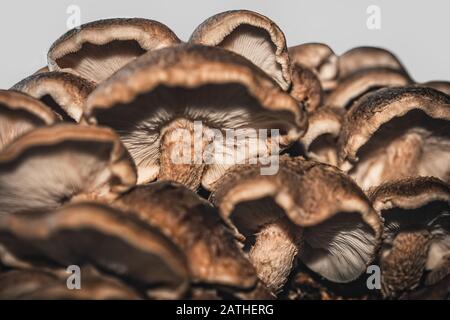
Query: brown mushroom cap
{"type": "Point", "coordinates": [195, 227]}
{"type": "Point", "coordinates": [37, 284]}
{"type": "Point", "coordinates": [361, 58]}
{"type": "Point", "coordinates": [148, 101]}
{"type": "Point", "coordinates": [51, 165]}
{"type": "Point", "coordinates": [20, 113]}
{"type": "Point", "coordinates": [443, 86]}
{"type": "Point", "coordinates": [394, 133]}
{"type": "Point", "coordinates": [307, 209]}
{"type": "Point", "coordinates": [320, 141]}
{"type": "Point", "coordinates": [306, 88]}
{"type": "Point", "coordinates": [98, 49]}
{"type": "Point", "coordinates": [64, 93]}
{"type": "Point", "coordinates": [362, 82]}
{"type": "Point", "coordinates": [320, 58]}
{"type": "Point", "coordinates": [417, 232]}
{"type": "Point", "coordinates": [94, 234]}
{"type": "Point", "coordinates": [252, 35]}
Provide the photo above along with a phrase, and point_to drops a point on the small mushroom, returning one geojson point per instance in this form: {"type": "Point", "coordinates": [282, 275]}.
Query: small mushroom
{"type": "Point", "coordinates": [394, 133]}
{"type": "Point", "coordinates": [20, 113]}
{"type": "Point", "coordinates": [307, 210]}
{"type": "Point", "coordinates": [95, 234]}
{"type": "Point", "coordinates": [194, 225]}
{"type": "Point", "coordinates": [97, 49]}
{"type": "Point", "coordinates": [359, 83]}
{"type": "Point", "coordinates": [252, 35]}
{"type": "Point", "coordinates": [306, 88]}
{"type": "Point", "coordinates": [361, 58]}
{"type": "Point", "coordinates": [320, 141]}
{"type": "Point", "coordinates": [320, 58]}
{"type": "Point", "coordinates": [37, 284]}
{"type": "Point", "coordinates": [168, 105]}
{"type": "Point", "coordinates": [417, 233]}
{"type": "Point", "coordinates": [49, 166]}
{"type": "Point", "coordinates": [63, 92]}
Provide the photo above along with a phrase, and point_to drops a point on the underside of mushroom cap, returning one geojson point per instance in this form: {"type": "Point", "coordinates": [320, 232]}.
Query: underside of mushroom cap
{"type": "Point", "coordinates": [320, 141]}
{"type": "Point", "coordinates": [417, 232]}
{"type": "Point", "coordinates": [362, 82]}
{"type": "Point", "coordinates": [64, 93]}
{"type": "Point", "coordinates": [320, 58]}
{"type": "Point", "coordinates": [148, 101]}
{"type": "Point", "coordinates": [20, 113]}
{"type": "Point", "coordinates": [97, 49]}
{"type": "Point", "coordinates": [341, 231]}
{"type": "Point", "coordinates": [196, 228]}
{"type": "Point", "coordinates": [94, 234]}
{"type": "Point", "coordinates": [252, 35]}
{"type": "Point", "coordinates": [49, 166]}
{"type": "Point", "coordinates": [361, 58]}
{"type": "Point", "coordinates": [397, 132]}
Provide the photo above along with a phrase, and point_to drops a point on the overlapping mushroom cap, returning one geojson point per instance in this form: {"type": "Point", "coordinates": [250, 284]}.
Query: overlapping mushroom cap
{"type": "Point", "coordinates": [95, 234]}
{"type": "Point", "coordinates": [319, 58]}
{"type": "Point", "coordinates": [20, 113]}
{"type": "Point", "coordinates": [395, 133]}
{"type": "Point", "coordinates": [98, 49]}
{"type": "Point", "coordinates": [253, 36]}
{"type": "Point", "coordinates": [64, 93]}
{"type": "Point", "coordinates": [165, 104]}
{"type": "Point", "coordinates": [49, 166]}
{"type": "Point", "coordinates": [416, 241]}
{"type": "Point", "coordinates": [307, 210]}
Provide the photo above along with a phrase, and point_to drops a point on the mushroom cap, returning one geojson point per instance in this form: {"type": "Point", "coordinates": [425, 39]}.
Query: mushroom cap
{"type": "Point", "coordinates": [337, 218]}
{"type": "Point", "coordinates": [443, 86]}
{"type": "Point", "coordinates": [123, 39]}
{"type": "Point", "coordinates": [417, 235]}
{"type": "Point", "coordinates": [360, 82]}
{"type": "Point", "coordinates": [38, 284]}
{"type": "Point", "coordinates": [395, 117]}
{"type": "Point", "coordinates": [50, 165]}
{"type": "Point", "coordinates": [306, 88]}
{"type": "Point", "coordinates": [193, 224]}
{"type": "Point", "coordinates": [68, 92]}
{"type": "Point", "coordinates": [252, 35]}
{"type": "Point", "coordinates": [360, 58]}
{"type": "Point", "coordinates": [320, 141]}
{"type": "Point", "coordinates": [93, 233]}
{"type": "Point", "coordinates": [20, 113]}
{"type": "Point", "coordinates": [318, 57]}
{"type": "Point", "coordinates": [196, 83]}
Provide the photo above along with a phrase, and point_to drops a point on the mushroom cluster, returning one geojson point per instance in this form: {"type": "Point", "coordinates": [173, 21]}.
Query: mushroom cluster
{"type": "Point", "coordinates": [110, 162]}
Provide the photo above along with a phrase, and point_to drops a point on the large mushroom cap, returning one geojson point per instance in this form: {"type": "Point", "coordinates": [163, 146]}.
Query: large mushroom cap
{"type": "Point", "coordinates": [307, 209]}
{"type": "Point", "coordinates": [98, 49]}
{"type": "Point", "coordinates": [153, 103]}
{"type": "Point", "coordinates": [320, 58]}
{"type": "Point", "coordinates": [252, 35]}
{"type": "Point", "coordinates": [20, 113]}
{"type": "Point", "coordinates": [417, 232]}
{"type": "Point", "coordinates": [361, 58]}
{"type": "Point", "coordinates": [394, 133]}
{"type": "Point", "coordinates": [95, 234]}
{"type": "Point", "coordinates": [320, 141]}
{"type": "Point", "coordinates": [64, 93]}
{"type": "Point", "coordinates": [361, 82]}
{"type": "Point", "coordinates": [195, 227]}
{"type": "Point", "coordinates": [52, 165]}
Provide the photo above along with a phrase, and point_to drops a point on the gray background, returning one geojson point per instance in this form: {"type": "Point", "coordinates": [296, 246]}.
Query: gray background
{"type": "Point", "coordinates": [417, 31]}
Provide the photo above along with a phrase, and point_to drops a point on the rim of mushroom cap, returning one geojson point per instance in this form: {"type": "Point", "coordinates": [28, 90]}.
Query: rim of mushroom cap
{"type": "Point", "coordinates": [217, 28]}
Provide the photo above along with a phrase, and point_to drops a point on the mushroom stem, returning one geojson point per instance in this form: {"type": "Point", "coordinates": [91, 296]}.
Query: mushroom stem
{"type": "Point", "coordinates": [181, 154]}
{"type": "Point", "coordinates": [276, 246]}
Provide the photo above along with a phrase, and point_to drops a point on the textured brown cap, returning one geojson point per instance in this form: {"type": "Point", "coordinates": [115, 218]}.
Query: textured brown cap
{"type": "Point", "coordinates": [306, 88]}
{"type": "Point", "coordinates": [80, 50]}
{"type": "Point", "coordinates": [252, 35]}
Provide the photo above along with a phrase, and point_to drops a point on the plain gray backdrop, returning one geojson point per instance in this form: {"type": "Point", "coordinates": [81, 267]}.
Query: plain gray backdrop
{"type": "Point", "coordinates": [417, 31]}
